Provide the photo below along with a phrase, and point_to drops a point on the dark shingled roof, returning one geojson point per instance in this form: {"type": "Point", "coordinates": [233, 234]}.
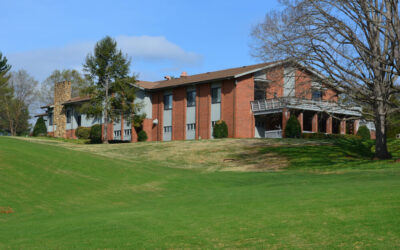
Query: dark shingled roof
{"type": "Point", "coordinates": [77, 99]}
{"type": "Point", "coordinates": [204, 77]}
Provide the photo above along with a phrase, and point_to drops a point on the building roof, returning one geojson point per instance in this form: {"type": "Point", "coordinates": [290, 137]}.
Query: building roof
{"type": "Point", "coordinates": [205, 77]}
{"type": "Point", "coordinates": [77, 99]}
{"type": "Point", "coordinates": [39, 115]}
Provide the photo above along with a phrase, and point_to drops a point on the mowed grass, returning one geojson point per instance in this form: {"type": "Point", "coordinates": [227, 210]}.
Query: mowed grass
{"type": "Point", "coordinates": [66, 196]}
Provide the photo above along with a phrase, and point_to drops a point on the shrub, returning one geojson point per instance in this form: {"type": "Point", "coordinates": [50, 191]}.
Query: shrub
{"type": "Point", "coordinates": [95, 134]}
{"type": "Point", "coordinates": [142, 136]}
{"type": "Point", "coordinates": [40, 128]}
{"type": "Point", "coordinates": [293, 128]}
{"type": "Point", "coordinates": [220, 129]}
{"type": "Point", "coordinates": [364, 133]}
{"type": "Point", "coordinates": [82, 132]}
{"type": "Point", "coordinates": [393, 131]}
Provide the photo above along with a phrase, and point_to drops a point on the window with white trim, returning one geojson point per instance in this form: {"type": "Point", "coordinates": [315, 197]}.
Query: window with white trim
{"type": "Point", "coordinates": [191, 126]}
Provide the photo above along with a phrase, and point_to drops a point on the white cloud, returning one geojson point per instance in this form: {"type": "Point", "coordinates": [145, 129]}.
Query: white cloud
{"type": "Point", "coordinates": [149, 49]}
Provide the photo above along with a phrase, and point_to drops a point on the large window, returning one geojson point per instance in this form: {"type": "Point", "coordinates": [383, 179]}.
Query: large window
{"type": "Point", "coordinates": [69, 116]}
{"type": "Point", "coordinates": [167, 102]}
{"type": "Point", "coordinates": [216, 95]}
{"type": "Point", "coordinates": [316, 95]}
{"type": "Point", "coordinates": [191, 98]}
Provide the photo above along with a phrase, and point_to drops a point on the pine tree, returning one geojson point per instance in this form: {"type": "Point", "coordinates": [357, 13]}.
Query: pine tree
{"type": "Point", "coordinates": [111, 88]}
{"type": "Point", "coordinates": [40, 128]}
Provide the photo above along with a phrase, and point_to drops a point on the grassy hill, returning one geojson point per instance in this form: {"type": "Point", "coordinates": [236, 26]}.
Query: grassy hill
{"type": "Point", "coordinates": [206, 194]}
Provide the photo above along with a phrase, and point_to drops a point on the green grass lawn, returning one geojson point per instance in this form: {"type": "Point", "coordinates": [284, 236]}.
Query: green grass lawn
{"type": "Point", "coordinates": [328, 196]}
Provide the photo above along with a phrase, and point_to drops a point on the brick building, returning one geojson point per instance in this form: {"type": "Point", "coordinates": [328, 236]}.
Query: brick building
{"type": "Point", "coordinates": [254, 101]}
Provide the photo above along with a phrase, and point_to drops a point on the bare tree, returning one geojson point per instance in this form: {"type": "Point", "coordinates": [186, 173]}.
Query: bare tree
{"type": "Point", "coordinates": [78, 82]}
{"type": "Point", "coordinates": [352, 42]}
{"type": "Point", "coordinates": [24, 89]}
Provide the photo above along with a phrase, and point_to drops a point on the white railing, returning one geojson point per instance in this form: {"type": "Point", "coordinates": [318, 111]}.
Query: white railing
{"type": "Point", "coordinates": [266, 105]}
{"type": "Point", "coordinates": [273, 134]}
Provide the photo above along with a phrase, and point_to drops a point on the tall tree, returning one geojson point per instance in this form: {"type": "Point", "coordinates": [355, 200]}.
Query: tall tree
{"type": "Point", "coordinates": [111, 88]}
{"type": "Point", "coordinates": [16, 106]}
{"type": "Point", "coordinates": [5, 91]}
{"type": "Point", "coordinates": [78, 83]}
{"type": "Point", "coordinates": [351, 42]}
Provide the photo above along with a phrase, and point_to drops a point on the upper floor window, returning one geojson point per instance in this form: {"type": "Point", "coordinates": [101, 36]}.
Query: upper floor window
{"type": "Point", "coordinates": [68, 116]}
{"type": "Point", "coordinates": [191, 98]}
{"type": "Point", "coordinates": [316, 95]}
{"type": "Point", "coordinates": [216, 95]}
{"type": "Point", "coordinates": [167, 102]}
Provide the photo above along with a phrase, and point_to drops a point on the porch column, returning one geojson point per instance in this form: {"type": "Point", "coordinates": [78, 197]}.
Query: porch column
{"type": "Point", "coordinates": [300, 119]}
{"type": "Point", "coordinates": [343, 127]}
{"type": "Point", "coordinates": [329, 125]}
{"type": "Point", "coordinates": [285, 118]}
{"type": "Point", "coordinates": [356, 125]}
{"type": "Point", "coordinates": [315, 123]}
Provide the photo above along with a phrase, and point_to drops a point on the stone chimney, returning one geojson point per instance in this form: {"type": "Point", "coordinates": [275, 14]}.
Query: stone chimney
{"type": "Point", "coordinates": [167, 78]}
{"type": "Point", "coordinates": [184, 73]}
{"type": "Point", "coordinates": [62, 93]}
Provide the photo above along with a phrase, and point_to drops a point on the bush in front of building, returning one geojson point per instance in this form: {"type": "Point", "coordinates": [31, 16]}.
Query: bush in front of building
{"type": "Point", "coordinates": [142, 136]}
{"type": "Point", "coordinates": [95, 134]}
{"type": "Point", "coordinates": [220, 129]}
{"type": "Point", "coordinates": [293, 128]}
{"type": "Point", "coordinates": [40, 128]}
{"type": "Point", "coordinates": [82, 132]}
{"type": "Point", "coordinates": [364, 133]}
{"type": "Point", "coordinates": [393, 131]}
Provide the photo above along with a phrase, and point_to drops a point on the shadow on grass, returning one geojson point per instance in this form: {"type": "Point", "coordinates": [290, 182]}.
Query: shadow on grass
{"type": "Point", "coordinates": [341, 153]}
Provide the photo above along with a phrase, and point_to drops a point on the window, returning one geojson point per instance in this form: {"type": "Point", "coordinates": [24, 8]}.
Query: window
{"type": "Point", "coordinates": [191, 126]}
{"type": "Point", "coordinates": [117, 133]}
{"type": "Point", "coordinates": [216, 95]}
{"type": "Point", "coordinates": [68, 116]}
{"type": "Point", "coordinates": [316, 95]}
{"type": "Point", "coordinates": [167, 102]}
{"type": "Point", "coordinates": [127, 132]}
{"type": "Point", "coordinates": [191, 98]}
{"type": "Point", "coordinates": [50, 119]}
{"type": "Point", "coordinates": [167, 129]}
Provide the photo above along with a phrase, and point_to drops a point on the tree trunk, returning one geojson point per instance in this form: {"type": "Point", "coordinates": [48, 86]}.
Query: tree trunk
{"type": "Point", "coordinates": [381, 151]}
{"type": "Point", "coordinates": [105, 141]}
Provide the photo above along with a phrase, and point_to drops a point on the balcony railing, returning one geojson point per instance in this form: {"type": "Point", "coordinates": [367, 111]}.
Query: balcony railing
{"type": "Point", "coordinates": [277, 104]}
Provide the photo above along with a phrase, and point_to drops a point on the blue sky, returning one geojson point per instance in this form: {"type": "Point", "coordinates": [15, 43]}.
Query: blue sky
{"type": "Point", "coordinates": [162, 37]}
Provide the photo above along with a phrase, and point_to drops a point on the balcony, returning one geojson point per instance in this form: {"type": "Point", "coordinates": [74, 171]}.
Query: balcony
{"type": "Point", "coordinates": [270, 106]}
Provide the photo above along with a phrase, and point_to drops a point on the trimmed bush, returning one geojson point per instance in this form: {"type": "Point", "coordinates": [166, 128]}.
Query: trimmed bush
{"type": "Point", "coordinates": [95, 134]}
{"type": "Point", "coordinates": [142, 136]}
{"type": "Point", "coordinates": [82, 132]}
{"type": "Point", "coordinates": [220, 129]}
{"type": "Point", "coordinates": [40, 128]}
{"type": "Point", "coordinates": [293, 128]}
{"type": "Point", "coordinates": [364, 133]}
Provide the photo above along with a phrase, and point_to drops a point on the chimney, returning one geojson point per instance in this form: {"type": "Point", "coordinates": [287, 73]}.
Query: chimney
{"type": "Point", "coordinates": [183, 74]}
{"type": "Point", "coordinates": [167, 78]}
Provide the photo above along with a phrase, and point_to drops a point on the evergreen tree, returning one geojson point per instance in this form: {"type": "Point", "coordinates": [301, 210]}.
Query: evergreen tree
{"type": "Point", "coordinates": [40, 128]}
{"type": "Point", "coordinates": [110, 86]}
{"type": "Point", "coordinates": [293, 128]}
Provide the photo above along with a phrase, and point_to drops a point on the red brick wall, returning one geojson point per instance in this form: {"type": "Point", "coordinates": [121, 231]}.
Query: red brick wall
{"type": "Point", "coordinates": [179, 114]}
{"type": "Point", "coordinates": [158, 109]}
{"type": "Point", "coordinates": [244, 118]}
{"type": "Point", "coordinates": [227, 104]}
{"type": "Point", "coordinates": [303, 85]}
{"type": "Point", "coordinates": [203, 111]}
{"type": "Point", "coordinates": [50, 134]}
{"type": "Point", "coordinates": [110, 131]}
{"type": "Point", "coordinates": [148, 128]}
{"type": "Point", "coordinates": [330, 95]}
{"type": "Point", "coordinates": [70, 134]}
{"type": "Point", "coordinates": [275, 75]}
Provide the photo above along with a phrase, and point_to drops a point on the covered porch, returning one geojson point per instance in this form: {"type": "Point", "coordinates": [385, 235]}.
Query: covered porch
{"type": "Point", "coordinates": [271, 117]}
